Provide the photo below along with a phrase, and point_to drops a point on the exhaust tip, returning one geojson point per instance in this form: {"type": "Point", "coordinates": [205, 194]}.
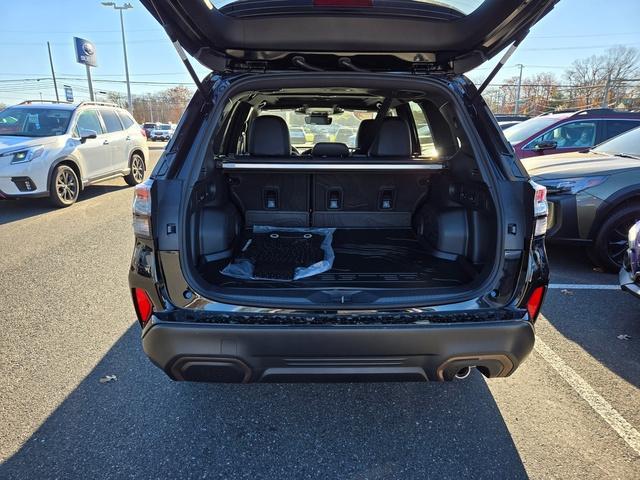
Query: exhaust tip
{"type": "Point", "coordinates": [463, 373]}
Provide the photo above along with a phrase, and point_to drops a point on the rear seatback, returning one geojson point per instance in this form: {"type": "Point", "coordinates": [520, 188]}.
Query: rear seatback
{"type": "Point", "coordinates": [271, 198]}
{"type": "Point", "coordinates": [370, 199]}
{"type": "Point", "coordinates": [334, 198]}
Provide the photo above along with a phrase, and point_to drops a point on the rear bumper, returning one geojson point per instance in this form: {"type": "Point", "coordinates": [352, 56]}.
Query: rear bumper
{"type": "Point", "coordinates": [223, 353]}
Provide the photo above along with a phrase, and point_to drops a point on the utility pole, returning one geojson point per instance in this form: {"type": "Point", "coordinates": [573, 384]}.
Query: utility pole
{"type": "Point", "coordinates": [517, 105]}
{"type": "Point", "coordinates": [91, 96]}
{"type": "Point", "coordinates": [126, 6]}
{"type": "Point", "coordinates": [53, 73]}
{"type": "Point", "coordinates": [605, 97]}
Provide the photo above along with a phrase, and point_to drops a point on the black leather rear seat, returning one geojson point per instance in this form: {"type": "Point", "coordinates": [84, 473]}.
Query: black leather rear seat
{"type": "Point", "coordinates": [372, 199]}
{"type": "Point", "coordinates": [336, 199]}
{"type": "Point", "coordinates": [270, 198]}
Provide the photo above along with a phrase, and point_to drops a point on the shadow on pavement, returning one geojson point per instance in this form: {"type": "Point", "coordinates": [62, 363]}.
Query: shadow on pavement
{"type": "Point", "coordinates": [593, 319]}
{"type": "Point", "coordinates": [145, 426]}
{"type": "Point", "coordinates": [21, 208]}
{"type": "Point", "coordinates": [571, 264]}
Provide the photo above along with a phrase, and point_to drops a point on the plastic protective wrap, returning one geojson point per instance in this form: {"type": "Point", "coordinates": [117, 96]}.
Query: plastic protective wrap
{"type": "Point", "coordinates": [283, 253]}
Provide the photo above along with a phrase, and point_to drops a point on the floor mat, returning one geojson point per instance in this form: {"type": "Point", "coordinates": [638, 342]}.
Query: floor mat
{"type": "Point", "coordinates": [272, 253]}
{"type": "Point", "coordinates": [380, 258]}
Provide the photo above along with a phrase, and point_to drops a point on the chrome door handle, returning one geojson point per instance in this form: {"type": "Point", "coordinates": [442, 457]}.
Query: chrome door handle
{"type": "Point", "coordinates": [106, 142]}
{"type": "Point", "coordinates": [128, 138]}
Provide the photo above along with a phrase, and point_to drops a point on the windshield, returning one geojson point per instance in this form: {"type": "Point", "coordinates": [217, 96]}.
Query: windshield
{"type": "Point", "coordinates": [34, 121]}
{"type": "Point", "coordinates": [628, 142]}
{"type": "Point", "coordinates": [522, 131]}
{"type": "Point", "coordinates": [163, 127]}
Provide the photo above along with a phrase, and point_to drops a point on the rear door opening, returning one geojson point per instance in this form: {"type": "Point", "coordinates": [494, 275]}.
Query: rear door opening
{"type": "Point", "coordinates": [411, 216]}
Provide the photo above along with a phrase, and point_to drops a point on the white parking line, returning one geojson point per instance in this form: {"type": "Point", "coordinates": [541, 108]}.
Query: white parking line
{"type": "Point", "coordinates": [603, 408]}
{"type": "Point", "coordinates": [583, 286]}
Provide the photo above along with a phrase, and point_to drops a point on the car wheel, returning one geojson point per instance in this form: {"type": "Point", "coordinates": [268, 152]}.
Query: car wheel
{"type": "Point", "coordinates": [136, 173]}
{"type": "Point", "coordinates": [65, 186]}
{"type": "Point", "coordinates": [611, 241]}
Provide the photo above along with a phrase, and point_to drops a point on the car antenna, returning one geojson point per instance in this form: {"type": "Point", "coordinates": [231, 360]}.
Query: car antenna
{"type": "Point", "coordinates": [181, 53]}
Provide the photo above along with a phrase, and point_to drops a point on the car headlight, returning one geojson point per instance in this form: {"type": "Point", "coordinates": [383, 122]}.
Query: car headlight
{"type": "Point", "coordinates": [572, 185]}
{"type": "Point", "coordinates": [24, 156]}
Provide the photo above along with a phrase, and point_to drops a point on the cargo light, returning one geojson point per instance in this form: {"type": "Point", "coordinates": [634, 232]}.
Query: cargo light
{"type": "Point", "coordinates": [535, 302]}
{"type": "Point", "coordinates": [143, 305]}
{"type": "Point", "coordinates": [142, 209]}
{"type": "Point", "coordinates": [540, 209]}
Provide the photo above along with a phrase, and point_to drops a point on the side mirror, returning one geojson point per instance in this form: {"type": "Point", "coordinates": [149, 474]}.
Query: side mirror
{"type": "Point", "coordinates": [85, 134]}
{"type": "Point", "coordinates": [546, 145]}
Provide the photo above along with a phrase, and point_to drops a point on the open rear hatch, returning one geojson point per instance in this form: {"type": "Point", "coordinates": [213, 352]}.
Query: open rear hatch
{"type": "Point", "coordinates": [374, 35]}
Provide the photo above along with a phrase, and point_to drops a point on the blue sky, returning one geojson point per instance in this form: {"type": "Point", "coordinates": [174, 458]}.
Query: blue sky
{"type": "Point", "coordinates": [574, 29]}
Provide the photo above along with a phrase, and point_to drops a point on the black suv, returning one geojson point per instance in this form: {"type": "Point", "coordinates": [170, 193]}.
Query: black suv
{"type": "Point", "coordinates": [404, 257]}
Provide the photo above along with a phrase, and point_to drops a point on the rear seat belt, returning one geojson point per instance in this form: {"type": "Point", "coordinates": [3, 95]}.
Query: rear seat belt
{"type": "Point", "coordinates": [377, 123]}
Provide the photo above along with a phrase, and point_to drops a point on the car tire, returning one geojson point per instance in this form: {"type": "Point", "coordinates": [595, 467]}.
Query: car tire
{"type": "Point", "coordinates": [611, 242]}
{"type": "Point", "coordinates": [64, 186]}
{"type": "Point", "coordinates": [136, 170]}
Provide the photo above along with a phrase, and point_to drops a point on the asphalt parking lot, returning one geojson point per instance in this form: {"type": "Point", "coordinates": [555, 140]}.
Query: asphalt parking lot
{"type": "Point", "coordinates": [571, 411]}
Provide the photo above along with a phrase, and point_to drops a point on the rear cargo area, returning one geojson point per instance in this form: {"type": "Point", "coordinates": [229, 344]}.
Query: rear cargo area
{"type": "Point", "coordinates": [373, 258]}
{"type": "Point", "coordinates": [351, 192]}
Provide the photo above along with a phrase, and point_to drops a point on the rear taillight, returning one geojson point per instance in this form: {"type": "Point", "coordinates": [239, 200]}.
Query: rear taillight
{"type": "Point", "coordinates": [144, 134]}
{"type": "Point", "coordinates": [143, 305]}
{"type": "Point", "coordinates": [535, 302]}
{"type": "Point", "coordinates": [540, 209]}
{"type": "Point", "coordinates": [142, 209]}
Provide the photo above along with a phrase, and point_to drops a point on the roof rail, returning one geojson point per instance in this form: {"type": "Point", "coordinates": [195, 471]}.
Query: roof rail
{"type": "Point", "coordinates": [27, 102]}
{"type": "Point", "coordinates": [594, 110]}
{"type": "Point", "coordinates": [103, 104]}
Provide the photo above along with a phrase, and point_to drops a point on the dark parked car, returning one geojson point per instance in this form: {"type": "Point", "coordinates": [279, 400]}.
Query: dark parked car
{"type": "Point", "coordinates": [564, 132]}
{"type": "Point", "coordinates": [630, 272]}
{"type": "Point", "coordinates": [253, 263]}
{"type": "Point", "coordinates": [594, 196]}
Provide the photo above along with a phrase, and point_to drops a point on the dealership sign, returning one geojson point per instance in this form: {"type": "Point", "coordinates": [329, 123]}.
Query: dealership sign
{"type": "Point", "coordinates": [68, 93]}
{"type": "Point", "coordinates": [85, 52]}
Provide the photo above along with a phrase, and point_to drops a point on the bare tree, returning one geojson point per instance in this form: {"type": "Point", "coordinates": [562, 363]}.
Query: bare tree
{"type": "Point", "coordinates": [599, 75]}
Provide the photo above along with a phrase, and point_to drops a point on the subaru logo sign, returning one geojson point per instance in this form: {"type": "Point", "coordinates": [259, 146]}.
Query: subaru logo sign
{"type": "Point", "coordinates": [85, 52]}
{"type": "Point", "coordinates": [88, 48]}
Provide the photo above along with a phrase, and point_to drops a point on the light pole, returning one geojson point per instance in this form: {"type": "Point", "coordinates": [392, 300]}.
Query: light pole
{"type": "Point", "coordinates": [120, 8]}
{"type": "Point", "coordinates": [517, 106]}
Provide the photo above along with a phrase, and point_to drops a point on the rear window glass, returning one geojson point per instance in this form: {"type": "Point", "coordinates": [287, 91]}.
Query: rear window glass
{"type": "Point", "coordinates": [464, 7]}
{"type": "Point", "coordinates": [126, 119]}
{"type": "Point", "coordinates": [427, 147]}
{"type": "Point", "coordinates": [111, 121]}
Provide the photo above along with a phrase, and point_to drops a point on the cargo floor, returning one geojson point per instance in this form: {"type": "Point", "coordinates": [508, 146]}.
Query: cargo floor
{"type": "Point", "coordinates": [366, 258]}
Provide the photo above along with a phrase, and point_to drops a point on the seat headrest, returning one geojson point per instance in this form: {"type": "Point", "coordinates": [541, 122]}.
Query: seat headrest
{"type": "Point", "coordinates": [393, 140]}
{"type": "Point", "coordinates": [269, 137]}
{"type": "Point", "coordinates": [330, 149]}
{"type": "Point", "coordinates": [364, 138]}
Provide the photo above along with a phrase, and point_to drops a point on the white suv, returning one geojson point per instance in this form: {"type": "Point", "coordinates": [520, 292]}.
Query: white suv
{"type": "Point", "coordinates": [56, 149]}
{"type": "Point", "coordinates": [163, 131]}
